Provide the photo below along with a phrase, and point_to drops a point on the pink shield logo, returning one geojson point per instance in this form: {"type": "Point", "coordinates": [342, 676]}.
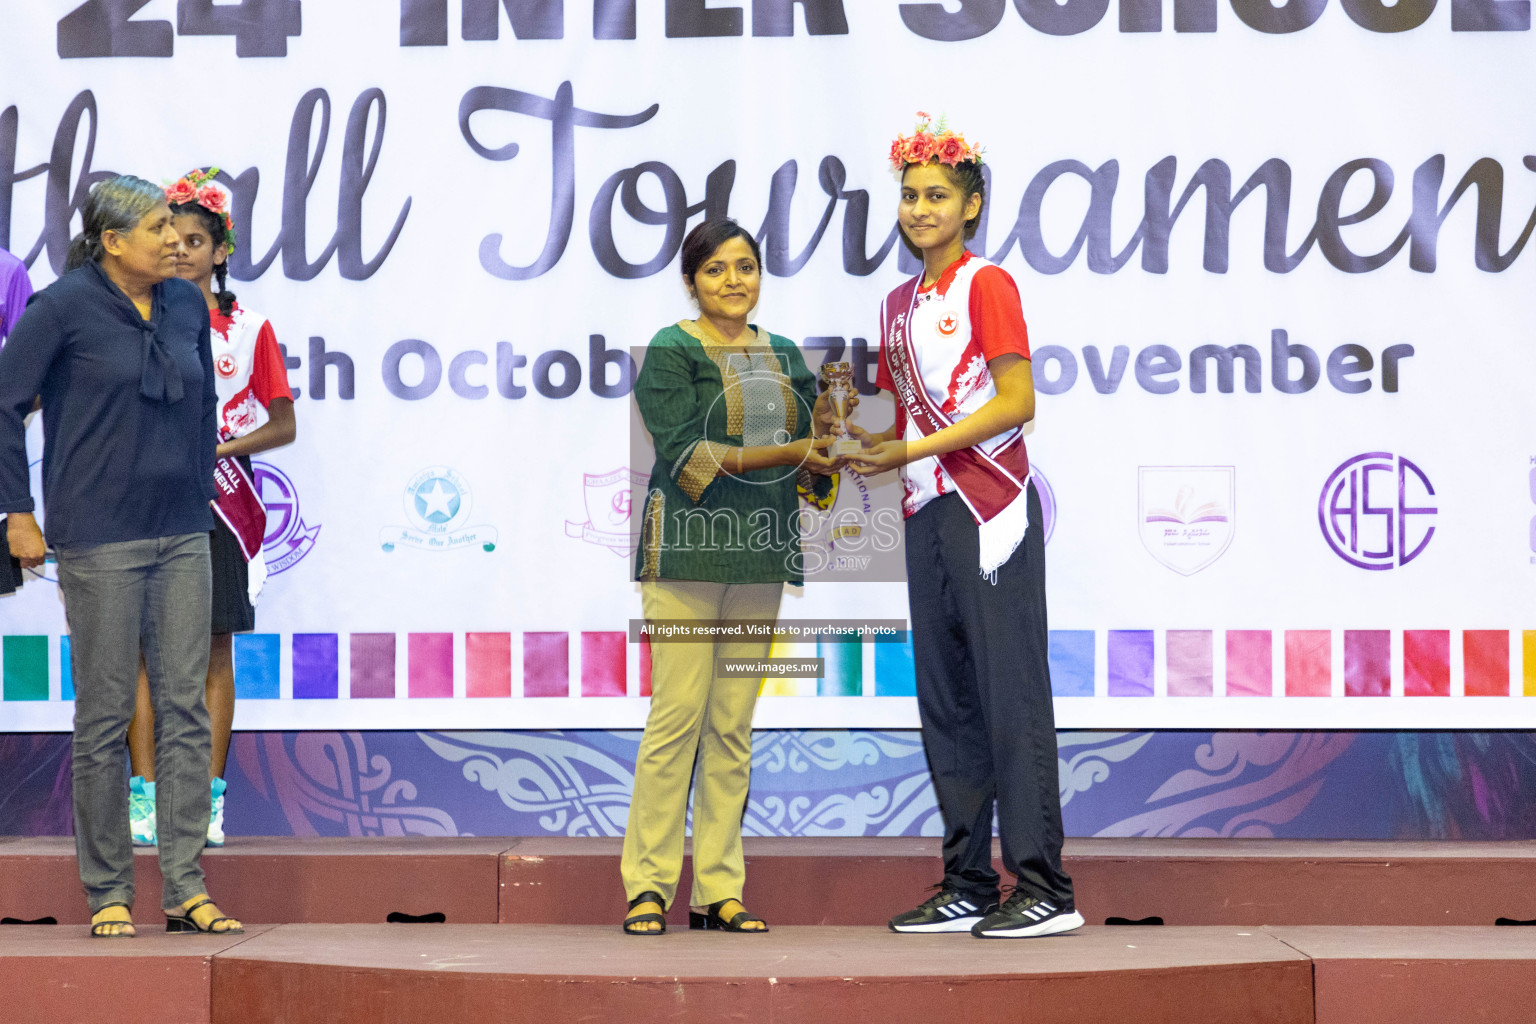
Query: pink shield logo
{"type": "Point", "coordinates": [609, 511]}
{"type": "Point", "coordinates": [1187, 514]}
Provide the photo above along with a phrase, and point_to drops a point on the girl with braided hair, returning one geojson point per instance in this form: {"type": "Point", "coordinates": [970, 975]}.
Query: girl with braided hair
{"type": "Point", "coordinates": [255, 415]}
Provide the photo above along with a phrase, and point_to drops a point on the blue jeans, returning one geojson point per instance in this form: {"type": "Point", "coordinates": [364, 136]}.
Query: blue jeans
{"type": "Point", "coordinates": [121, 598]}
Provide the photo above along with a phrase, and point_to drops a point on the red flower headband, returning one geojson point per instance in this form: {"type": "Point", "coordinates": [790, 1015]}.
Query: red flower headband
{"type": "Point", "coordinates": [199, 188]}
{"type": "Point", "coordinates": [932, 142]}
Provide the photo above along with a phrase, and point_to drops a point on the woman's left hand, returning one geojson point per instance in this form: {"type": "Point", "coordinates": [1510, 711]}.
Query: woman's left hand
{"type": "Point", "coordinates": [25, 540]}
{"type": "Point", "coordinates": [817, 459]}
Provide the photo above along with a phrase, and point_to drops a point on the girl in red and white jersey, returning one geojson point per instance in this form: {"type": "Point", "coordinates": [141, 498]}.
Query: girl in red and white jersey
{"type": "Point", "coordinates": [955, 352]}
{"type": "Point", "coordinates": [255, 414]}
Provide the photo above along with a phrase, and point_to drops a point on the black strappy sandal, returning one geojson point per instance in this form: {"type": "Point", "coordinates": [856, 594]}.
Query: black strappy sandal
{"type": "Point", "coordinates": [634, 919]}
{"type": "Point", "coordinates": [98, 929]}
{"type": "Point", "coordinates": [179, 924]}
{"type": "Point", "coordinates": [714, 922]}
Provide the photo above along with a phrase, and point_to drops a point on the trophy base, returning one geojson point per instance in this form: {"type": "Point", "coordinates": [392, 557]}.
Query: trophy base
{"type": "Point", "coordinates": [847, 446]}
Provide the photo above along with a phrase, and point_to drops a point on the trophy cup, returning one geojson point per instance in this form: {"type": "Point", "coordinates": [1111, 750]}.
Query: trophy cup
{"type": "Point", "coordinates": [837, 380]}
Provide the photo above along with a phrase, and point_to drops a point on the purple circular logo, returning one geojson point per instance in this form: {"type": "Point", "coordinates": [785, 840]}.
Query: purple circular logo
{"type": "Point", "coordinates": [1376, 511]}
{"type": "Point", "coordinates": [288, 538]}
{"type": "Point", "coordinates": [1047, 501]}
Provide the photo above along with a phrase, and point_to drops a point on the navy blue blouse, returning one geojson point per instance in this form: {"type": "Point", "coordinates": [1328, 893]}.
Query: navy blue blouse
{"type": "Point", "coordinates": [129, 410]}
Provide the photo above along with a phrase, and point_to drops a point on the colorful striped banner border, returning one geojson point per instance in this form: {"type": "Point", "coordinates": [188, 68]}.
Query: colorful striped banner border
{"type": "Point", "coordinates": [1129, 663]}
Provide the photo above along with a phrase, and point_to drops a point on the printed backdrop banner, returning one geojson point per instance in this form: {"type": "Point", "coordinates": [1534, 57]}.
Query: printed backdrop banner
{"type": "Point", "coordinates": [1275, 260]}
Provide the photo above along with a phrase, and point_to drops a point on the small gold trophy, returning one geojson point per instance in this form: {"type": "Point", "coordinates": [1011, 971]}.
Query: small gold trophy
{"type": "Point", "coordinates": [837, 380]}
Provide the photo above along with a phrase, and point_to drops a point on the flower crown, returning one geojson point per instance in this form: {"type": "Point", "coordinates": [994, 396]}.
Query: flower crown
{"type": "Point", "coordinates": [199, 188]}
{"type": "Point", "coordinates": [932, 142]}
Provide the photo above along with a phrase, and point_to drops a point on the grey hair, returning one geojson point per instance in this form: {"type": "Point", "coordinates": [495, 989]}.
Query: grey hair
{"type": "Point", "coordinates": [117, 204]}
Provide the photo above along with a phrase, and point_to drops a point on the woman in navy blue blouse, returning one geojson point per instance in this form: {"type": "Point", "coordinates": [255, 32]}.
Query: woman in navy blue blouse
{"type": "Point", "coordinates": [118, 349]}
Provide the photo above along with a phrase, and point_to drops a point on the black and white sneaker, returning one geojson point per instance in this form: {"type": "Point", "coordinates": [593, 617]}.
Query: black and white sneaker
{"type": "Point", "coordinates": [945, 911]}
{"type": "Point", "coordinates": [1024, 915]}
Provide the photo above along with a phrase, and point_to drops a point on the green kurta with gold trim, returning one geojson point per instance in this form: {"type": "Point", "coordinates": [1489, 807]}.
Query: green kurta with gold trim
{"type": "Point", "coordinates": [699, 523]}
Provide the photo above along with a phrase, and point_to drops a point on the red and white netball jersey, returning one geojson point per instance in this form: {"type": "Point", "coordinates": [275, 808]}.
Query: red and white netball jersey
{"type": "Point", "coordinates": [248, 370]}
{"type": "Point", "coordinates": [971, 314]}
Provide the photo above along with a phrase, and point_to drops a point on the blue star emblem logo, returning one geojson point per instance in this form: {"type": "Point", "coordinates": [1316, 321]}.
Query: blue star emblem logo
{"type": "Point", "coordinates": [437, 500]}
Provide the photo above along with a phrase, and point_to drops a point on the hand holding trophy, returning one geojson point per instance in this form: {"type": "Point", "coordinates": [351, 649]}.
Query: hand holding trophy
{"type": "Point", "coordinates": [837, 381]}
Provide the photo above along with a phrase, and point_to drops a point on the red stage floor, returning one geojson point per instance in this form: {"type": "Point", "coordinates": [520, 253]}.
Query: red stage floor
{"type": "Point", "coordinates": [829, 881]}
{"type": "Point", "coordinates": [58, 975]}
{"type": "Point", "coordinates": [542, 973]}
{"type": "Point", "coordinates": [351, 974]}
{"type": "Point", "coordinates": [1327, 933]}
{"type": "Point", "coordinates": [1182, 881]}
{"type": "Point", "coordinates": [1391, 975]}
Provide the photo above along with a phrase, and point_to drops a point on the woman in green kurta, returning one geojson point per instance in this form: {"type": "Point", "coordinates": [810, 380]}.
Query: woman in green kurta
{"type": "Point", "coordinates": [705, 518]}
{"type": "Point", "coordinates": [737, 427]}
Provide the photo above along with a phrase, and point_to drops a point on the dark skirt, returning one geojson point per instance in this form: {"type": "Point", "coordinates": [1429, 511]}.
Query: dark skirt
{"type": "Point", "coordinates": [232, 611]}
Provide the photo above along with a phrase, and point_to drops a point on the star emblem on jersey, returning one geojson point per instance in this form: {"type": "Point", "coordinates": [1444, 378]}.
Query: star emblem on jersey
{"type": "Point", "coordinates": [948, 325]}
{"type": "Point", "coordinates": [438, 502]}
{"type": "Point", "coordinates": [226, 366]}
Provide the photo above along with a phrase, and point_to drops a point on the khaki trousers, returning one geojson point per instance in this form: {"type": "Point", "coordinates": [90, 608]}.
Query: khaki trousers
{"type": "Point", "coordinates": [694, 714]}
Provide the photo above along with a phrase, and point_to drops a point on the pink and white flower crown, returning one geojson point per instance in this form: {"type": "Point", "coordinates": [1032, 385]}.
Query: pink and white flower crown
{"type": "Point", "coordinates": [932, 142]}
{"type": "Point", "coordinates": [198, 187]}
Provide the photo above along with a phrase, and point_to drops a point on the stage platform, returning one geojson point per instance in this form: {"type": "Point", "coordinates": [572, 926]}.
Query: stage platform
{"type": "Point", "coordinates": [412, 973]}
{"type": "Point", "coordinates": [560, 972]}
{"type": "Point", "coordinates": [59, 975]}
{"type": "Point", "coordinates": [1321, 933]}
{"type": "Point", "coordinates": [318, 880]}
{"type": "Point", "coordinates": [1393, 975]}
{"type": "Point", "coordinates": [831, 881]}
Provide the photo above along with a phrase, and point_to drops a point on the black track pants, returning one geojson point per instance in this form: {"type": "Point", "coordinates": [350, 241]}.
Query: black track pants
{"type": "Point", "coordinates": [984, 695]}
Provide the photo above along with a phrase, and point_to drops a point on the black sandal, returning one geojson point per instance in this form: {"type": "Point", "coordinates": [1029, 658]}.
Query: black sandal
{"type": "Point", "coordinates": [714, 922]}
{"type": "Point", "coordinates": [178, 924]}
{"type": "Point", "coordinates": [634, 919]}
{"type": "Point", "coordinates": [98, 929]}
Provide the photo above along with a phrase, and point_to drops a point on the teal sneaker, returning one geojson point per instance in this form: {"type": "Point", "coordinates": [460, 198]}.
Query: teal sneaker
{"type": "Point", "coordinates": [216, 814]}
{"type": "Point", "coordinates": [141, 811]}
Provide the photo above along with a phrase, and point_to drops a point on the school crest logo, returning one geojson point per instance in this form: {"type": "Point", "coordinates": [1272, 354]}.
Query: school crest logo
{"type": "Point", "coordinates": [438, 502]}
{"type": "Point", "coordinates": [609, 505]}
{"type": "Point", "coordinates": [1377, 511]}
{"type": "Point", "coordinates": [288, 538]}
{"type": "Point", "coordinates": [1186, 514]}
